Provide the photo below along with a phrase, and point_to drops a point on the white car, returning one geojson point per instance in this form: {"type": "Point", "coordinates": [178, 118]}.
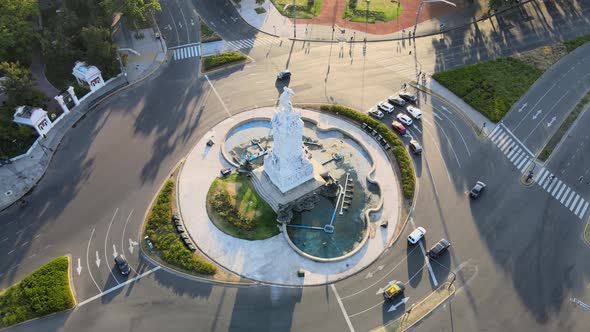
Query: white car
{"type": "Point", "coordinates": [416, 235]}
{"type": "Point", "coordinates": [386, 107]}
{"type": "Point", "coordinates": [376, 113]}
{"type": "Point", "coordinates": [404, 119]}
{"type": "Point", "coordinates": [414, 112]}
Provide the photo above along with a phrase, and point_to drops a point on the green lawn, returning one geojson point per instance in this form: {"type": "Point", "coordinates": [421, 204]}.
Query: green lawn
{"type": "Point", "coordinates": [45, 291]}
{"type": "Point", "coordinates": [375, 10]}
{"type": "Point", "coordinates": [491, 87]}
{"type": "Point", "coordinates": [246, 216]}
{"type": "Point", "coordinates": [304, 8]}
{"type": "Point", "coordinates": [215, 61]}
{"type": "Point", "coordinates": [572, 44]}
{"type": "Point", "coordinates": [167, 244]}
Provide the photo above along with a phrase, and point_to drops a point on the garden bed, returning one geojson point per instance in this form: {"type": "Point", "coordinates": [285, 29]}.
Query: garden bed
{"type": "Point", "coordinates": [223, 59]}
{"type": "Point", "coordinates": [370, 12]}
{"type": "Point", "coordinates": [304, 8]}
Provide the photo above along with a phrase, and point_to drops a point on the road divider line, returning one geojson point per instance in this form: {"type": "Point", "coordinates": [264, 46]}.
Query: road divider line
{"type": "Point", "coordinates": [427, 261]}
{"type": "Point", "coordinates": [105, 246]}
{"type": "Point", "coordinates": [87, 260]}
{"type": "Point", "coordinates": [218, 96]}
{"type": "Point", "coordinates": [342, 308]}
{"type": "Point", "coordinates": [97, 296]}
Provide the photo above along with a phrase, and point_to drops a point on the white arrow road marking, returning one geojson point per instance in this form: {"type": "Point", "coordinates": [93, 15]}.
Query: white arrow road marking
{"type": "Point", "coordinates": [446, 109]}
{"type": "Point", "coordinates": [97, 259]}
{"type": "Point", "coordinates": [372, 273]}
{"type": "Point", "coordinates": [212, 24]}
{"type": "Point", "coordinates": [550, 123]}
{"type": "Point", "coordinates": [88, 260]}
{"type": "Point", "coordinates": [79, 268]}
{"type": "Point", "coordinates": [395, 306]}
{"type": "Point", "coordinates": [522, 107]}
{"type": "Point", "coordinates": [234, 19]}
{"type": "Point", "coordinates": [382, 289]}
{"type": "Point", "coordinates": [537, 114]}
{"type": "Point", "coordinates": [168, 27]}
{"type": "Point", "coordinates": [131, 244]}
{"type": "Point", "coordinates": [180, 24]}
{"type": "Point", "coordinates": [436, 116]}
{"type": "Point", "coordinates": [414, 126]}
{"type": "Point", "coordinates": [192, 22]}
{"type": "Point", "coordinates": [114, 251]}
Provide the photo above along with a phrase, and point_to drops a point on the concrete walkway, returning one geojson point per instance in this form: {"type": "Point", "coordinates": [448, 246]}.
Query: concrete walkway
{"type": "Point", "coordinates": [272, 260]}
{"type": "Point", "coordinates": [320, 27]}
{"type": "Point", "coordinates": [18, 178]}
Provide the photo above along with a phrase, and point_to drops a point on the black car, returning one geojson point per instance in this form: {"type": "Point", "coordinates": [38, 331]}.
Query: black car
{"type": "Point", "coordinates": [396, 100]}
{"type": "Point", "coordinates": [439, 248]}
{"type": "Point", "coordinates": [285, 74]}
{"type": "Point", "coordinates": [409, 97]}
{"type": "Point", "coordinates": [122, 265]}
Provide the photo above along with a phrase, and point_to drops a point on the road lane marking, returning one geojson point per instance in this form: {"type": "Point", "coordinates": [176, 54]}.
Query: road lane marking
{"type": "Point", "coordinates": [342, 308]}
{"type": "Point", "coordinates": [87, 260]}
{"type": "Point", "coordinates": [574, 202]}
{"type": "Point", "coordinates": [581, 215]}
{"type": "Point", "coordinates": [184, 45]}
{"type": "Point", "coordinates": [543, 173]}
{"type": "Point", "coordinates": [105, 246]}
{"type": "Point", "coordinates": [173, 24]}
{"type": "Point", "coordinates": [440, 152]}
{"type": "Point", "coordinates": [101, 294]}
{"type": "Point", "coordinates": [188, 35]}
{"type": "Point", "coordinates": [570, 199]}
{"type": "Point", "coordinates": [579, 206]}
{"type": "Point", "coordinates": [549, 112]}
{"type": "Point", "coordinates": [561, 191]}
{"type": "Point", "coordinates": [428, 265]}
{"type": "Point", "coordinates": [448, 141]}
{"type": "Point", "coordinates": [504, 144]}
{"type": "Point", "coordinates": [123, 238]}
{"type": "Point", "coordinates": [457, 129]}
{"type": "Point", "coordinates": [559, 183]}
{"type": "Point", "coordinates": [218, 96]}
{"type": "Point", "coordinates": [565, 195]}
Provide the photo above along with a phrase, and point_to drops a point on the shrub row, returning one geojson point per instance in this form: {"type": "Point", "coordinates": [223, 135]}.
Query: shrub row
{"type": "Point", "coordinates": [572, 44]}
{"type": "Point", "coordinates": [222, 205]}
{"type": "Point", "coordinates": [218, 60]}
{"type": "Point", "coordinates": [45, 291]}
{"type": "Point", "coordinates": [166, 241]}
{"type": "Point", "coordinates": [397, 146]}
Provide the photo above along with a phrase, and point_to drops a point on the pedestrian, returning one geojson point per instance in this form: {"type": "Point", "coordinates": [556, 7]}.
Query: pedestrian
{"type": "Point", "coordinates": [410, 53]}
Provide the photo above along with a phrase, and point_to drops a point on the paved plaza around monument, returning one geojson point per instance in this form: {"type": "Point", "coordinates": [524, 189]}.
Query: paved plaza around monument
{"type": "Point", "coordinates": [273, 260]}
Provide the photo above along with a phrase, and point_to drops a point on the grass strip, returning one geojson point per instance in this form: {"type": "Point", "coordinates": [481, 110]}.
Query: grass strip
{"type": "Point", "coordinates": [303, 8]}
{"type": "Point", "coordinates": [572, 44]}
{"type": "Point", "coordinates": [167, 243]}
{"type": "Point", "coordinates": [397, 146]}
{"type": "Point", "coordinates": [564, 127]}
{"type": "Point", "coordinates": [43, 292]}
{"type": "Point", "coordinates": [237, 210]}
{"type": "Point", "coordinates": [419, 310]}
{"type": "Point", "coordinates": [215, 61]}
{"type": "Point", "coordinates": [370, 12]}
{"type": "Point", "coordinates": [491, 87]}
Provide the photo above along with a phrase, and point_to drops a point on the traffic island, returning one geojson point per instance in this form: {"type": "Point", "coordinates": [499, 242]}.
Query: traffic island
{"type": "Point", "coordinates": [223, 61]}
{"type": "Point", "coordinates": [43, 292]}
{"type": "Point", "coordinates": [586, 233]}
{"type": "Point", "coordinates": [419, 311]}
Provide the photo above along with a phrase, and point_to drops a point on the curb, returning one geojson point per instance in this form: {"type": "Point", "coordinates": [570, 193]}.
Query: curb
{"type": "Point", "coordinates": [431, 310]}
{"type": "Point", "coordinates": [71, 281]}
{"type": "Point", "coordinates": [586, 228]}
{"type": "Point", "coordinates": [253, 27]}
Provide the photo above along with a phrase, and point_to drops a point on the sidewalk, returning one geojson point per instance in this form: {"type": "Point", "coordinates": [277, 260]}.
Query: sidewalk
{"type": "Point", "coordinates": [320, 27]}
{"type": "Point", "coordinates": [18, 178]}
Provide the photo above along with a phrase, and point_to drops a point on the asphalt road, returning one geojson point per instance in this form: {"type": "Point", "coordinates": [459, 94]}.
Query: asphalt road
{"type": "Point", "coordinates": [517, 254]}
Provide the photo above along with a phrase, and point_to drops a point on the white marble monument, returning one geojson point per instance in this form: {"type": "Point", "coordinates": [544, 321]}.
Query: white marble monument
{"type": "Point", "coordinates": [286, 165]}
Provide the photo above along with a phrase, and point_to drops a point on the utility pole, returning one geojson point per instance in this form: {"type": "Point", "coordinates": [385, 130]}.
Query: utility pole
{"type": "Point", "coordinates": [294, 20]}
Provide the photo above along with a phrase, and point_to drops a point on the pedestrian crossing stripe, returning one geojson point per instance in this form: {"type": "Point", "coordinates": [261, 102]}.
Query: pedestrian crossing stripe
{"type": "Point", "coordinates": [521, 157]}
{"type": "Point", "coordinates": [251, 42]}
{"type": "Point", "coordinates": [187, 52]}
{"type": "Point", "coordinates": [562, 193]}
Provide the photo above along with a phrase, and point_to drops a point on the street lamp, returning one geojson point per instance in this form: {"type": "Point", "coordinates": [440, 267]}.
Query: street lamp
{"type": "Point", "coordinates": [294, 20]}
{"type": "Point", "coordinates": [420, 9]}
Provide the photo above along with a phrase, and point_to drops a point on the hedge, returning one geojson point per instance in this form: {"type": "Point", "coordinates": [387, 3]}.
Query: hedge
{"type": "Point", "coordinates": [166, 241]}
{"type": "Point", "coordinates": [397, 146]}
{"type": "Point", "coordinates": [45, 291]}
{"type": "Point", "coordinates": [572, 44]}
{"type": "Point", "coordinates": [219, 60]}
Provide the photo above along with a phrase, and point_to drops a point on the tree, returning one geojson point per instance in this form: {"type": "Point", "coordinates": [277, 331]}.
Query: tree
{"type": "Point", "coordinates": [19, 86]}
{"type": "Point", "coordinates": [16, 29]}
{"type": "Point", "coordinates": [136, 11]}
{"type": "Point", "coordinates": [100, 50]}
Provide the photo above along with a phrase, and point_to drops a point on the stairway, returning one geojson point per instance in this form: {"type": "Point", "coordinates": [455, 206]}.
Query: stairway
{"type": "Point", "coordinates": [264, 194]}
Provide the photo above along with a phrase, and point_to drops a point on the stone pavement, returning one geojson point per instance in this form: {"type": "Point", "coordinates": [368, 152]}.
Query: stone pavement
{"type": "Point", "coordinates": [18, 178]}
{"type": "Point", "coordinates": [320, 27]}
{"type": "Point", "coordinates": [259, 259]}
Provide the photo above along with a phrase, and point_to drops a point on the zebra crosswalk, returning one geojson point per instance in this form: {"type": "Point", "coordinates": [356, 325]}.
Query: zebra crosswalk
{"type": "Point", "coordinates": [513, 149]}
{"type": "Point", "coordinates": [187, 52]}
{"type": "Point", "coordinates": [563, 193]}
{"type": "Point", "coordinates": [251, 42]}
{"type": "Point", "coordinates": [521, 157]}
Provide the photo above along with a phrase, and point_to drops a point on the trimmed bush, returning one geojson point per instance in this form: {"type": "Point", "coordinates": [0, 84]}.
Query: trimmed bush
{"type": "Point", "coordinates": [166, 241]}
{"type": "Point", "coordinates": [397, 146]}
{"type": "Point", "coordinates": [45, 291]}
{"type": "Point", "coordinates": [214, 61]}
{"type": "Point", "coordinates": [491, 87]}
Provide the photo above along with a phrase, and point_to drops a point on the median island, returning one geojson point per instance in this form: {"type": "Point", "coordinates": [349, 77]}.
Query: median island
{"type": "Point", "coordinates": [43, 292]}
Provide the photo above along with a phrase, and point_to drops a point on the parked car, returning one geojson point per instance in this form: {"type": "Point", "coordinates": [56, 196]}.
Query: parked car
{"type": "Point", "coordinates": [415, 147]}
{"type": "Point", "coordinates": [149, 242]}
{"type": "Point", "coordinates": [386, 107]}
{"type": "Point", "coordinates": [439, 248]}
{"type": "Point", "coordinates": [399, 127]}
{"type": "Point", "coordinates": [396, 100]}
{"type": "Point", "coordinates": [396, 288]}
{"type": "Point", "coordinates": [122, 265]}
{"type": "Point", "coordinates": [477, 189]}
{"type": "Point", "coordinates": [409, 97]}
{"type": "Point", "coordinates": [285, 74]}
{"type": "Point", "coordinates": [414, 112]}
{"type": "Point", "coordinates": [406, 120]}
{"type": "Point", "coordinates": [376, 113]}
{"type": "Point", "coordinates": [416, 235]}
{"type": "Point", "coordinates": [225, 172]}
